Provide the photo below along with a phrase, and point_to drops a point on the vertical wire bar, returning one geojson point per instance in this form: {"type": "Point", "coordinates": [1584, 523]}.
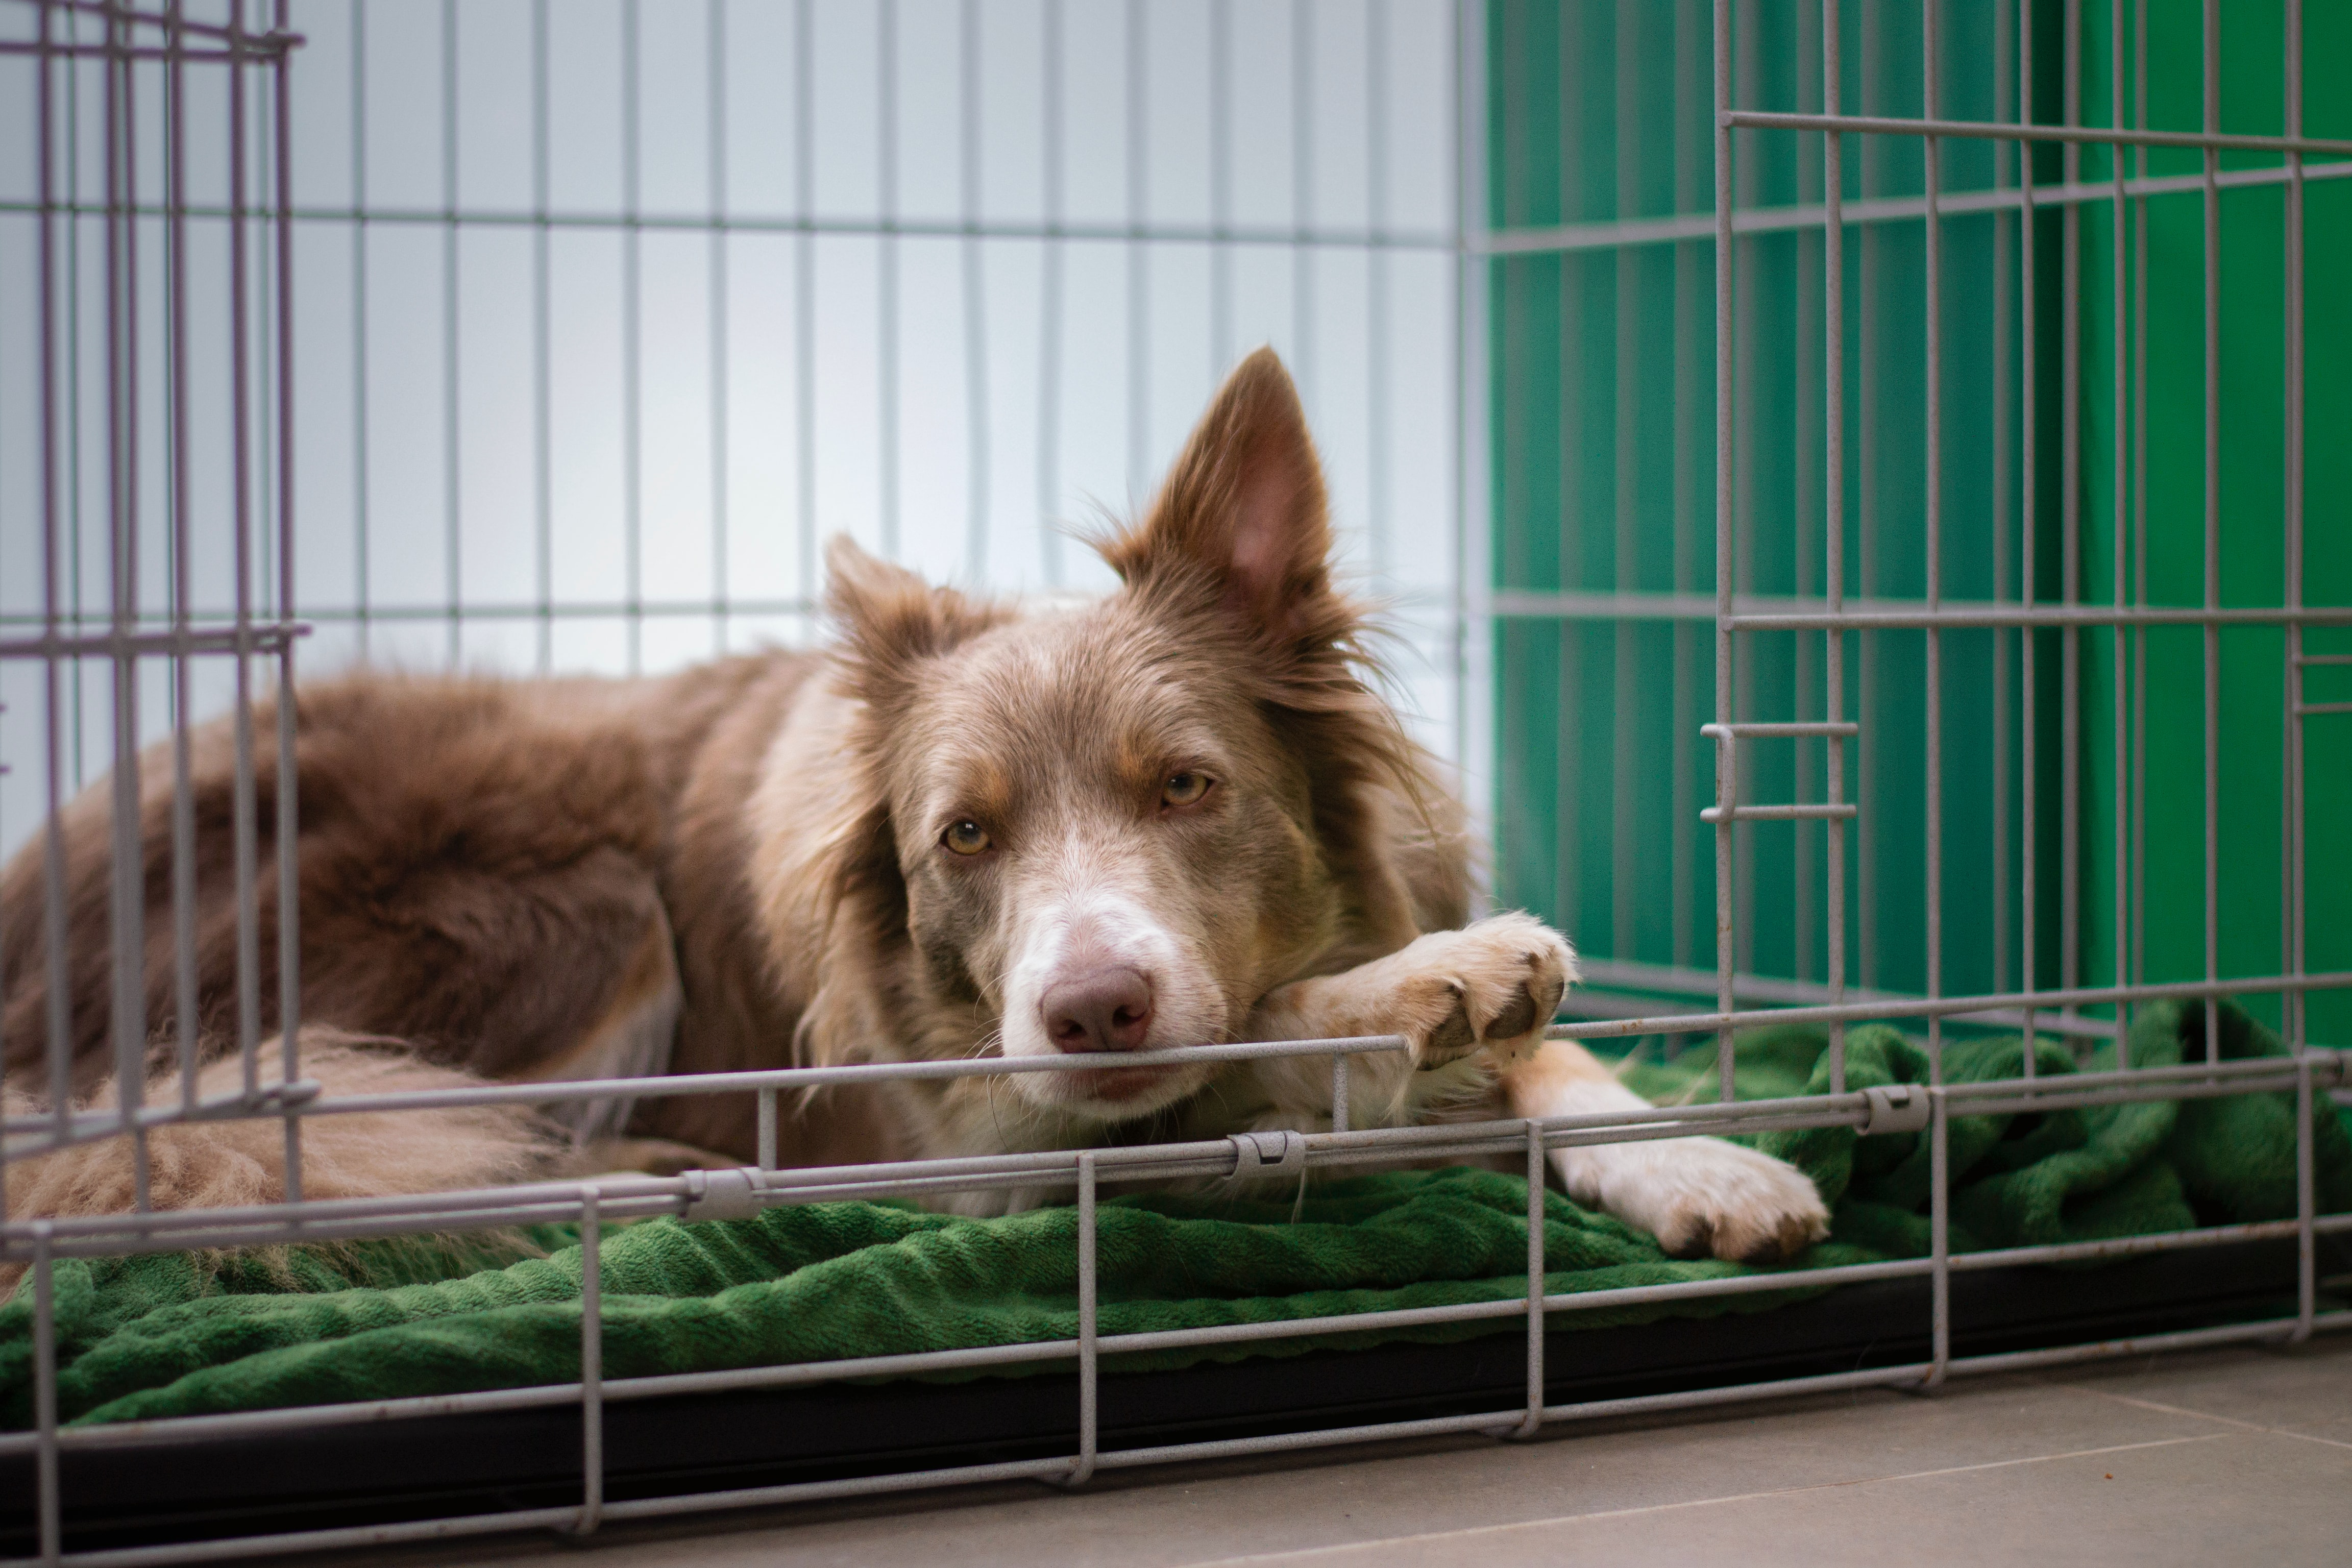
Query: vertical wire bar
{"type": "Point", "coordinates": [57, 979]}
{"type": "Point", "coordinates": [2293, 1004]}
{"type": "Point", "coordinates": [243, 810]}
{"type": "Point", "coordinates": [1221, 185]}
{"type": "Point", "coordinates": [1340, 1092]}
{"type": "Point", "coordinates": [127, 894]}
{"type": "Point", "coordinates": [1683, 864]}
{"type": "Point", "coordinates": [1746, 87]}
{"type": "Point", "coordinates": [1933, 175]}
{"type": "Point", "coordinates": [2306, 1292]}
{"type": "Point", "coordinates": [2119, 504]}
{"type": "Point", "coordinates": [1302, 192]}
{"type": "Point", "coordinates": [1834, 513]}
{"type": "Point", "coordinates": [75, 556]}
{"type": "Point", "coordinates": [2296, 1004]}
{"type": "Point", "coordinates": [1533, 1421]}
{"type": "Point", "coordinates": [1868, 755]}
{"type": "Point", "coordinates": [184, 812]}
{"type": "Point", "coordinates": [453, 521]}
{"type": "Point", "coordinates": [1082, 1468]}
{"type": "Point", "coordinates": [1803, 913]}
{"type": "Point", "coordinates": [632, 351]}
{"type": "Point", "coordinates": [767, 1129]}
{"type": "Point", "coordinates": [2139, 528]}
{"type": "Point", "coordinates": [1939, 1234]}
{"type": "Point", "coordinates": [2002, 222]}
{"type": "Point", "coordinates": [361, 591]}
{"type": "Point", "coordinates": [1727, 792]}
{"type": "Point", "coordinates": [975, 310]}
{"type": "Point", "coordinates": [1139, 258]}
{"type": "Point", "coordinates": [2070, 526]}
{"type": "Point", "coordinates": [2029, 441]}
{"type": "Point", "coordinates": [805, 291]}
{"type": "Point", "coordinates": [1571, 451]}
{"type": "Point", "coordinates": [886, 310]}
{"type": "Point", "coordinates": [542, 340]}
{"type": "Point", "coordinates": [1623, 795]}
{"type": "Point", "coordinates": [288, 823]}
{"type": "Point", "coordinates": [1377, 523]}
{"type": "Point", "coordinates": [592, 1364]}
{"type": "Point", "coordinates": [1049, 291]}
{"type": "Point", "coordinates": [715, 76]}
{"type": "Point", "coordinates": [1472, 518]}
{"type": "Point", "coordinates": [48, 1503]}
{"type": "Point", "coordinates": [1808, 855]}
{"type": "Point", "coordinates": [1625, 835]}
{"type": "Point", "coordinates": [2212, 631]}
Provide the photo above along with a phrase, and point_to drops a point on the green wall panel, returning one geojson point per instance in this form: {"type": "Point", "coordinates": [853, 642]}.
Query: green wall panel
{"type": "Point", "coordinates": [1603, 414]}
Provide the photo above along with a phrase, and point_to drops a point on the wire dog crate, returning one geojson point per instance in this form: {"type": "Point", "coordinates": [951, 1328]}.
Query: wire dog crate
{"type": "Point", "coordinates": [159, 239]}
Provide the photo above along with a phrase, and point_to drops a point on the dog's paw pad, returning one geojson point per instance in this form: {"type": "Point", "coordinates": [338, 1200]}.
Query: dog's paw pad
{"type": "Point", "coordinates": [1452, 1037]}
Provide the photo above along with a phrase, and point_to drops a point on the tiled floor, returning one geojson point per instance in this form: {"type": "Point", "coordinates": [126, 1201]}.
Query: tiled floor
{"type": "Point", "coordinates": [2230, 1457]}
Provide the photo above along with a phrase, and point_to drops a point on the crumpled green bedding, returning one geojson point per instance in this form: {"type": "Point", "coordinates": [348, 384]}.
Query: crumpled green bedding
{"type": "Point", "coordinates": [170, 1335]}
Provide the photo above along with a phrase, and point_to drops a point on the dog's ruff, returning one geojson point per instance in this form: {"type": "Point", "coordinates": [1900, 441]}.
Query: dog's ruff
{"type": "Point", "coordinates": [1183, 813]}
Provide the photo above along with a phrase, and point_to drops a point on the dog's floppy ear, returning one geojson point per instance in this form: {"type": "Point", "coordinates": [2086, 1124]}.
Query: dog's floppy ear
{"type": "Point", "coordinates": [890, 620]}
{"type": "Point", "coordinates": [1241, 515]}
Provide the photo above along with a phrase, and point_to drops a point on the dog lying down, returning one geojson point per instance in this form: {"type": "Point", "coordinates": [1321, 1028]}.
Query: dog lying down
{"type": "Point", "coordinates": [1181, 814]}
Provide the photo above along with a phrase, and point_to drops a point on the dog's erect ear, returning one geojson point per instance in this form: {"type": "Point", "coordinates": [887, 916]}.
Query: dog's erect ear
{"type": "Point", "coordinates": [1242, 513]}
{"type": "Point", "coordinates": [890, 620]}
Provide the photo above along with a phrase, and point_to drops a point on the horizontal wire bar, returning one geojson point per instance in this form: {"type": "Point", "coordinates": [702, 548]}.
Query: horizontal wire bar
{"type": "Point", "coordinates": [561, 609]}
{"type": "Point", "coordinates": [2048, 616]}
{"type": "Point", "coordinates": [1619, 233]}
{"type": "Point", "coordinates": [254, 638]}
{"type": "Point", "coordinates": [2311, 658]}
{"type": "Point", "coordinates": [1949, 1006]}
{"type": "Point", "coordinates": [1791, 812]}
{"type": "Point", "coordinates": [719, 223]}
{"type": "Point", "coordinates": [261, 49]}
{"type": "Point", "coordinates": [1779, 613]}
{"type": "Point", "coordinates": [2149, 1344]}
{"type": "Point", "coordinates": [637, 1196]}
{"type": "Point", "coordinates": [1606, 236]}
{"type": "Point", "coordinates": [2001, 130]}
{"type": "Point", "coordinates": [2313, 709]}
{"type": "Point", "coordinates": [1665, 979]}
{"type": "Point", "coordinates": [40, 1133]}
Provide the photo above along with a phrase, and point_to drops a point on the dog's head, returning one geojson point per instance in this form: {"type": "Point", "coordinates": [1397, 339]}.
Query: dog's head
{"type": "Point", "coordinates": [1117, 827]}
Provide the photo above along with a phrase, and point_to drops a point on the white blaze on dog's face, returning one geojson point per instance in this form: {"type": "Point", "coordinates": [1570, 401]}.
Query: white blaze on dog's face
{"type": "Point", "coordinates": [1118, 828]}
{"type": "Point", "coordinates": [1096, 833]}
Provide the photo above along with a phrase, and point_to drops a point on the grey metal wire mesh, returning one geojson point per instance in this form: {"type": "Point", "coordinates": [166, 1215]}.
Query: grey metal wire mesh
{"type": "Point", "coordinates": [170, 570]}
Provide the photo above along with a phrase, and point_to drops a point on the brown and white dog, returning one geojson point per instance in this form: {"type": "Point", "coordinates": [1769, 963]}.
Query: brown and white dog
{"type": "Point", "coordinates": [1181, 814]}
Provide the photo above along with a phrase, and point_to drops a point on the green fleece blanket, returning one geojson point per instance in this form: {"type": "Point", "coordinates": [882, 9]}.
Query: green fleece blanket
{"type": "Point", "coordinates": [172, 1335]}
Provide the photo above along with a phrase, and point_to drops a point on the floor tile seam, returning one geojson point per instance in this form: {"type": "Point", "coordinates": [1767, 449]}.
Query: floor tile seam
{"type": "Point", "coordinates": [2296, 1430]}
{"type": "Point", "coordinates": [2163, 1409]}
{"type": "Point", "coordinates": [1299, 1553]}
{"type": "Point", "coordinates": [2308, 1437]}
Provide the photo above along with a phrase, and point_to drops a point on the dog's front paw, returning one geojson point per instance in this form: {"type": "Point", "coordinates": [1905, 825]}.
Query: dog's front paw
{"type": "Point", "coordinates": [1702, 1195]}
{"type": "Point", "coordinates": [1494, 985]}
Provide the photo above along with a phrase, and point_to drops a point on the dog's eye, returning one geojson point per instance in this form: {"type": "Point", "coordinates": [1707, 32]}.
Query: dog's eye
{"type": "Point", "coordinates": [1184, 788]}
{"type": "Point", "coordinates": [965, 838]}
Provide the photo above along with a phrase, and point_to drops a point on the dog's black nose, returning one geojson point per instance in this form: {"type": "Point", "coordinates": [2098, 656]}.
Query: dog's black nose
{"type": "Point", "coordinates": [1104, 1010]}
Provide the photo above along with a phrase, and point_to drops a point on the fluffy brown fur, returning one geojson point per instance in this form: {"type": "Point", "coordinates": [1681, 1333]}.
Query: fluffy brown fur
{"type": "Point", "coordinates": [1184, 813]}
{"type": "Point", "coordinates": [234, 1165]}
